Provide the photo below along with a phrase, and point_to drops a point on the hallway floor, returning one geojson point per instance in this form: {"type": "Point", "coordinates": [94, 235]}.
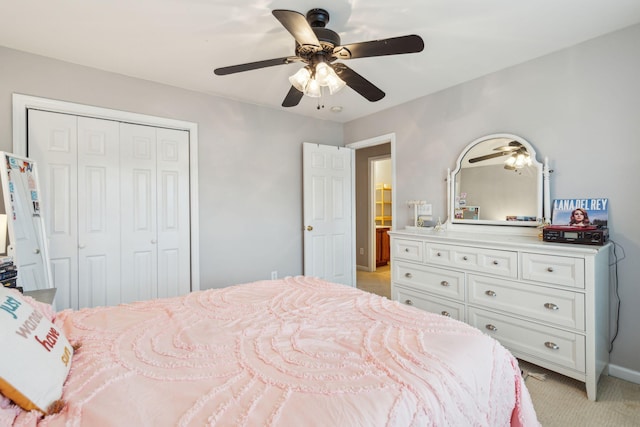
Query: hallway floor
{"type": "Point", "coordinates": [378, 282]}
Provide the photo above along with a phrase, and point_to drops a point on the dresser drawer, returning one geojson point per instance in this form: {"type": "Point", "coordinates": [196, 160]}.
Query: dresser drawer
{"type": "Point", "coordinates": [439, 281]}
{"type": "Point", "coordinates": [490, 261]}
{"type": "Point", "coordinates": [555, 306]}
{"type": "Point", "coordinates": [429, 303]}
{"type": "Point", "coordinates": [558, 270]}
{"type": "Point", "coordinates": [523, 337]}
{"type": "Point", "coordinates": [410, 250]}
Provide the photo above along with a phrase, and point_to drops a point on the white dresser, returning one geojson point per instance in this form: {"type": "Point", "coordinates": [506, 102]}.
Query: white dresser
{"type": "Point", "coordinates": [547, 303]}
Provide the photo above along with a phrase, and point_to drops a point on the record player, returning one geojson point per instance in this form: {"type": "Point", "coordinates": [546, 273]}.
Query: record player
{"type": "Point", "coordinates": [587, 235]}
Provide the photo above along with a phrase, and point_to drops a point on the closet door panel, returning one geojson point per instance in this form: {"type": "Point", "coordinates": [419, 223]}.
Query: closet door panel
{"type": "Point", "coordinates": [138, 214]}
{"type": "Point", "coordinates": [98, 212]}
{"type": "Point", "coordinates": [52, 141]}
{"type": "Point", "coordinates": [174, 277]}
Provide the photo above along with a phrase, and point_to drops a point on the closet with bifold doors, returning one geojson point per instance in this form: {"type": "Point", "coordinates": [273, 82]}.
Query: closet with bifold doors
{"type": "Point", "coordinates": [116, 197]}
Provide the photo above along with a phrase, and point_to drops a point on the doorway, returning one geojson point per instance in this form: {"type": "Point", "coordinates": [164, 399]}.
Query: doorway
{"type": "Point", "coordinates": [372, 274]}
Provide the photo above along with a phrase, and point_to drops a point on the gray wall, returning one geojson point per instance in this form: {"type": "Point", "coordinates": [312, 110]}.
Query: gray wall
{"type": "Point", "coordinates": [579, 106]}
{"type": "Point", "coordinates": [250, 160]}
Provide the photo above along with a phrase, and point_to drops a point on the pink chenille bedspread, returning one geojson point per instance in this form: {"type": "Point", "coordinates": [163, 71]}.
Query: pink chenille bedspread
{"type": "Point", "coordinates": [293, 352]}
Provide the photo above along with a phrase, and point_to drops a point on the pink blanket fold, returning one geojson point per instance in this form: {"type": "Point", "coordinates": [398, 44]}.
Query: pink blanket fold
{"type": "Point", "coordinates": [297, 351]}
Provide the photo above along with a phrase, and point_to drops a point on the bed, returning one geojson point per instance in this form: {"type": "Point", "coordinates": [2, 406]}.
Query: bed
{"type": "Point", "coordinates": [291, 352]}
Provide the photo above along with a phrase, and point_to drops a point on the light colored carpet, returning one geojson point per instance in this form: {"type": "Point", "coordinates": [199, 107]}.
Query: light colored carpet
{"type": "Point", "coordinates": [559, 401]}
{"type": "Point", "coordinates": [562, 402]}
{"type": "Point", "coordinates": [377, 282]}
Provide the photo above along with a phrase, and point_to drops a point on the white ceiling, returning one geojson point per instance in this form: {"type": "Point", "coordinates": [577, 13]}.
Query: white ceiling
{"type": "Point", "coordinates": [180, 42]}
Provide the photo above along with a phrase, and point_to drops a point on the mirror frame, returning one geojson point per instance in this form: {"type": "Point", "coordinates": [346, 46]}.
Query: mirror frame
{"type": "Point", "coordinates": [542, 187]}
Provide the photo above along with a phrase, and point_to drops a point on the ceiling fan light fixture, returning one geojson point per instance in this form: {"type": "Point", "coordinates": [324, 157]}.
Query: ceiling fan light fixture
{"type": "Point", "coordinates": [323, 71]}
{"type": "Point", "coordinates": [300, 80]}
{"type": "Point", "coordinates": [517, 160]}
{"type": "Point", "coordinates": [313, 89]}
{"type": "Point", "coordinates": [334, 82]}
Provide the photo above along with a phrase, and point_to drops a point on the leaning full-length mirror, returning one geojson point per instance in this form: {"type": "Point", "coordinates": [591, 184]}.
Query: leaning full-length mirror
{"type": "Point", "coordinates": [497, 181]}
{"type": "Point", "coordinates": [27, 238]}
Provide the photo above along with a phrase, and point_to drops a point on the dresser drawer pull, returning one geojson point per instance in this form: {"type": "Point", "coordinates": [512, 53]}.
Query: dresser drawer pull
{"type": "Point", "coordinates": [490, 293]}
{"type": "Point", "coordinates": [444, 283]}
{"type": "Point", "coordinates": [446, 313]}
{"type": "Point", "coordinates": [408, 302]}
{"type": "Point", "coordinates": [551, 345]}
{"type": "Point", "coordinates": [408, 275]}
{"type": "Point", "coordinates": [550, 269]}
{"type": "Point", "coordinates": [406, 249]}
{"type": "Point", "coordinates": [465, 258]}
{"type": "Point", "coordinates": [438, 254]}
{"type": "Point", "coordinates": [495, 262]}
{"type": "Point", "coordinates": [551, 306]}
{"type": "Point", "coordinates": [491, 327]}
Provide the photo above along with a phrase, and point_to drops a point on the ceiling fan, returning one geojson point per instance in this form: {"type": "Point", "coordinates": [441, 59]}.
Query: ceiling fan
{"type": "Point", "coordinates": [319, 47]}
{"type": "Point", "coordinates": [519, 156]}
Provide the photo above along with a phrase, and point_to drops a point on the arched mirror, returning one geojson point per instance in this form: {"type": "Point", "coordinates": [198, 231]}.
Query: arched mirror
{"type": "Point", "coordinates": [497, 181]}
{"type": "Point", "coordinates": [27, 238]}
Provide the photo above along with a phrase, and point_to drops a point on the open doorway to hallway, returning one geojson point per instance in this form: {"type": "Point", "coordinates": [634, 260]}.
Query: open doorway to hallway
{"type": "Point", "coordinates": [374, 180]}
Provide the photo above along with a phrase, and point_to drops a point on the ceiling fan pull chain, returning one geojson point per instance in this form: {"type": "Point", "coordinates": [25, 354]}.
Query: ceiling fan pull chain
{"type": "Point", "coordinates": [320, 98]}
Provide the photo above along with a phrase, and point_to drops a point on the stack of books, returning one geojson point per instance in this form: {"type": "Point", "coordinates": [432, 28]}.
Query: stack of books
{"type": "Point", "coordinates": [8, 273]}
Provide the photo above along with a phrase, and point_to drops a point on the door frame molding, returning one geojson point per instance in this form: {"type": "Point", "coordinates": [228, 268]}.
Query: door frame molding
{"type": "Point", "coordinates": [22, 103]}
{"type": "Point", "coordinates": [376, 140]}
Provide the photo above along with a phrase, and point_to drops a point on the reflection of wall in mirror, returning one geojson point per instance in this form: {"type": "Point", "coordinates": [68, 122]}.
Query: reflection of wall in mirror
{"type": "Point", "coordinates": [501, 193]}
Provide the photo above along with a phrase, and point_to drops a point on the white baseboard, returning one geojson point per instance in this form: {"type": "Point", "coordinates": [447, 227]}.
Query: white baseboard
{"type": "Point", "coordinates": [624, 373]}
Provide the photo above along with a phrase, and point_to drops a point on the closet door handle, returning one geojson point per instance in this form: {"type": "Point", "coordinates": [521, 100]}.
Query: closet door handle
{"type": "Point", "coordinates": [154, 241]}
{"type": "Point", "coordinates": [36, 251]}
{"type": "Point", "coordinates": [81, 246]}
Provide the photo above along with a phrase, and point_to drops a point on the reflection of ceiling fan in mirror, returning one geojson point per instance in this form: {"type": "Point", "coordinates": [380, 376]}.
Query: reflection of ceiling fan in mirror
{"type": "Point", "coordinates": [518, 155]}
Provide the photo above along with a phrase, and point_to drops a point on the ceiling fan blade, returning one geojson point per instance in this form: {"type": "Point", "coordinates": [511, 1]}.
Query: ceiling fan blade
{"type": "Point", "coordinates": [512, 146]}
{"type": "Point", "coordinates": [391, 46]}
{"type": "Point", "coordinates": [489, 156]}
{"type": "Point", "coordinates": [358, 83]}
{"type": "Point", "coordinates": [293, 97]}
{"type": "Point", "coordinates": [255, 65]}
{"type": "Point", "coordinates": [297, 25]}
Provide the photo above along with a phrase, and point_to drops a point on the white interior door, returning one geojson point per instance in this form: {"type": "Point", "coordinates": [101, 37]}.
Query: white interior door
{"type": "Point", "coordinates": [174, 273]}
{"type": "Point", "coordinates": [328, 213]}
{"type": "Point", "coordinates": [53, 143]}
{"type": "Point", "coordinates": [99, 212]}
{"type": "Point", "coordinates": [139, 226]}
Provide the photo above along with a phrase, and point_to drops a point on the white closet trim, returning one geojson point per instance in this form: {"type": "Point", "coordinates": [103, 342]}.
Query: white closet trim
{"type": "Point", "coordinates": [22, 103]}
